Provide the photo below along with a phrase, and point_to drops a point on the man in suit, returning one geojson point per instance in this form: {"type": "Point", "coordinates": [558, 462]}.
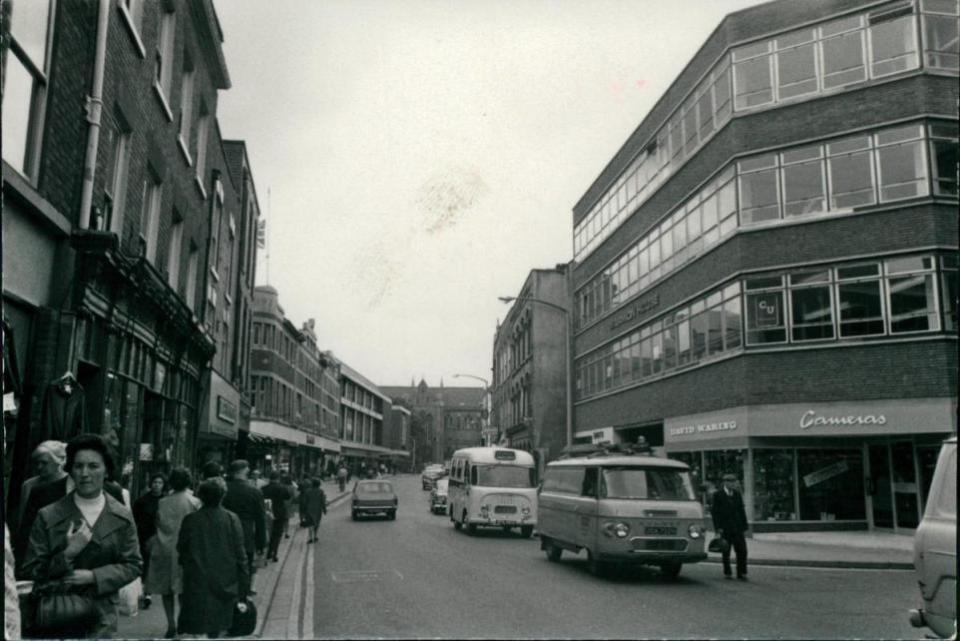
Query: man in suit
{"type": "Point", "coordinates": [730, 523]}
{"type": "Point", "coordinates": [279, 495]}
{"type": "Point", "coordinates": [246, 501]}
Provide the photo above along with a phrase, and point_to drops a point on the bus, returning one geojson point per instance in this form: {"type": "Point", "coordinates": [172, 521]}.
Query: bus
{"type": "Point", "coordinates": [495, 487]}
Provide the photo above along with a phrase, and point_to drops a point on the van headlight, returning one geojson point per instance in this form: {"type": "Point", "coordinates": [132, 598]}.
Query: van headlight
{"type": "Point", "coordinates": [695, 531]}
{"type": "Point", "coordinates": [525, 510]}
{"type": "Point", "coordinates": [485, 511]}
{"type": "Point", "coordinates": [619, 529]}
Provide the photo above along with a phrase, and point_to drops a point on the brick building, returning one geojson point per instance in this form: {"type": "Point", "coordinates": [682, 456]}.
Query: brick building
{"type": "Point", "coordinates": [294, 391]}
{"type": "Point", "coordinates": [765, 273]}
{"type": "Point", "coordinates": [529, 388]}
{"type": "Point", "coordinates": [113, 171]}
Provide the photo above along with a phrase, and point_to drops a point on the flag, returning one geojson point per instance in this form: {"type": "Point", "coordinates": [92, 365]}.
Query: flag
{"type": "Point", "coordinates": [261, 233]}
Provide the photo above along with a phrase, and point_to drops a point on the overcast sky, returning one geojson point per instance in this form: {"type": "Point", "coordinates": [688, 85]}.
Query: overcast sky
{"type": "Point", "coordinates": [422, 157]}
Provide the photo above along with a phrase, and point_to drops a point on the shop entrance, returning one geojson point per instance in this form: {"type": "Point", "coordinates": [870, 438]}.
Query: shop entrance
{"type": "Point", "coordinates": [894, 488]}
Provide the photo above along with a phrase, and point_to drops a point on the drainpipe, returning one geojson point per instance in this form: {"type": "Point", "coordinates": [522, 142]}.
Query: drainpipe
{"type": "Point", "coordinates": [94, 114]}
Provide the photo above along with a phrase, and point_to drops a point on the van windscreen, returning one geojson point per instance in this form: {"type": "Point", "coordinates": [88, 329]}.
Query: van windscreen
{"type": "Point", "coordinates": [655, 483]}
{"type": "Point", "coordinates": [506, 476]}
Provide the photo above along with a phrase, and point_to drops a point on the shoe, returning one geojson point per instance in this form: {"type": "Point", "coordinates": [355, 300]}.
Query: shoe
{"type": "Point", "coordinates": [251, 592]}
{"type": "Point", "coordinates": [146, 602]}
{"type": "Point", "coordinates": [274, 559]}
{"type": "Point", "coordinates": [170, 634]}
{"type": "Point", "coordinates": [741, 577]}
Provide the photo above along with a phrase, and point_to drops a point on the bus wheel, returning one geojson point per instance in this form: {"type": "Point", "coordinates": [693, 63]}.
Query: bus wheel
{"type": "Point", "coordinates": [526, 531]}
{"type": "Point", "coordinates": [553, 551]}
{"type": "Point", "coordinates": [670, 571]}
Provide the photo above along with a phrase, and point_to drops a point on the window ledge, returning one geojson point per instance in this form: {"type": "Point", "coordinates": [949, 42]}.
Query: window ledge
{"type": "Point", "coordinates": [184, 151]}
{"type": "Point", "coordinates": [158, 92]}
{"type": "Point", "coordinates": [213, 272]}
{"type": "Point", "coordinates": [199, 185]}
{"type": "Point", "coordinates": [132, 30]}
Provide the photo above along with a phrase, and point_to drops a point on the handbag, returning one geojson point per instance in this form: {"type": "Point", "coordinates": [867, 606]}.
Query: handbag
{"type": "Point", "coordinates": [244, 618]}
{"type": "Point", "coordinates": [130, 597]}
{"type": "Point", "coordinates": [719, 545]}
{"type": "Point", "coordinates": [62, 611]}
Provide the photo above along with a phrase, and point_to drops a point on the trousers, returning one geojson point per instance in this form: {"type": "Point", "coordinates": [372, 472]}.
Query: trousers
{"type": "Point", "coordinates": [276, 533]}
{"type": "Point", "coordinates": [739, 545]}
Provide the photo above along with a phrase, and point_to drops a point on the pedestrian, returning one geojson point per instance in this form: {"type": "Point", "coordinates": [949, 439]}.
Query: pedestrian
{"type": "Point", "coordinates": [145, 516]}
{"type": "Point", "coordinates": [313, 505]}
{"type": "Point", "coordinates": [730, 523]}
{"type": "Point", "coordinates": [48, 460]}
{"type": "Point", "coordinates": [291, 502]}
{"type": "Point", "coordinates": [246, 501]}
{"type": "Point", "coordinates": [342, 477]}
{"type": "Point", "coordinates": [279, 496]}
{"type": "Point", "coordinates": [254, 478]}
{"type": "Point", "coordinates": [166, 577]}
{"type": "Point", "coordinates": [59, 550]}
{"type": "Point", "coordinates": [214, 560]}
{"type": "Point", "coordinates": [213, 470]}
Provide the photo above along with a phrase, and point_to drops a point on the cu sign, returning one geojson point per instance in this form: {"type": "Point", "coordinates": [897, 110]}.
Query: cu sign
{"type": "Point", "coordinates": [767, 309]}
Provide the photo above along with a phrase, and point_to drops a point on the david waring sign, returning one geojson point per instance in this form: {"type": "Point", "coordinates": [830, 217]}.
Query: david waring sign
{"type": "Point", "coordinates": [702, 428]}
{"type": "Point", "coordinates": [810, 419]}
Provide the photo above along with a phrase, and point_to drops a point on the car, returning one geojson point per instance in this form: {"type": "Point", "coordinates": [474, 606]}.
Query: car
{"type": "Point", "coordinates": [374, 496]}
{"type": "Point", "coordinates": [935, 549]}
{"type": "Point", "coordinates": [439, 495]}
{"type": "Point", "coordinates": [431, 473]}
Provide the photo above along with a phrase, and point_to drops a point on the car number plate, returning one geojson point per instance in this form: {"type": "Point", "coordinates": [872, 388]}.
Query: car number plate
{"type": "Point", "coordinates": [661, 530]}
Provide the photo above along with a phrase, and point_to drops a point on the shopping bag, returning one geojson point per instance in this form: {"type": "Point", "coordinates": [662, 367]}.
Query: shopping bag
{"type": "Point", "coordinates": [244, 618]}
{"type": "Point", "coordinates": [130, 598]}
{"type": "Point", "coordinates": [718, 545]}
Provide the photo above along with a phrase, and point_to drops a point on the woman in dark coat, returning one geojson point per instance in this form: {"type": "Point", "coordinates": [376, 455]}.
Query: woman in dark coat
{"type": "Point", "coordinates": [215, 572]}
{"type": "Point", "coordinates": [145, 516]}
{"type": "Point", "coordinates": [313, 505]}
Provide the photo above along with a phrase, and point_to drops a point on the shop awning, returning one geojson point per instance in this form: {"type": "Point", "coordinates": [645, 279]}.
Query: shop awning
{"type": "Point", "coordinates": [277, 431]}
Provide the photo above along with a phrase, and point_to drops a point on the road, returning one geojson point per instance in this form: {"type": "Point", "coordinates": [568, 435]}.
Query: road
{"type": "Point", "coordinates": [417, 577]}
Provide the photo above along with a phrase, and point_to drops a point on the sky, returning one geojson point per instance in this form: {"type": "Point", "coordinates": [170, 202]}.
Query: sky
{"type": "Point", "coordinates": [414, 160]}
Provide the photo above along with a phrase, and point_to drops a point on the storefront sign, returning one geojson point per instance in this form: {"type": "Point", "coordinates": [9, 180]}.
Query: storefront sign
{"type": "Point", "coordinates": [810, 419]}
{"type": "Point", "coordinates": [226, 411]}
{"type": "Point", "coordinates": [825, 473]}
{"type": "Point", "coordinates": [702, 428]}
{"type": "Point", "coordinates": [766, 309]}
{"type": "Point", "coordinates": [635, 310]}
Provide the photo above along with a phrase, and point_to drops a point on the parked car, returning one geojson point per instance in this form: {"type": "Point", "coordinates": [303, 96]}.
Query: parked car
{"type": "Point", "coordinates": [431, 473]}
{"type": "Point", "coordinates": [374, 497]}
{"type": "Point", "coordinates": [935, 549]}
{"type": "Point", "coordinates": [439, 495]}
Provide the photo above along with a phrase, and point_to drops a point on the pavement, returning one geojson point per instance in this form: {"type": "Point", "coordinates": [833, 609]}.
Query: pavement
{"type": "Point", "coordinates": [151, 623]}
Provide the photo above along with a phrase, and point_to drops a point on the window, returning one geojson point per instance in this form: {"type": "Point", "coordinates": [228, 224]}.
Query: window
{"type": "Point", "coordinates": [150, 215]}
{"type": "Point", "coordinates": [186, 106]}
{"type": "Point", "coordinates": [25, 85]}
{"type": "Point", "coordinates": [902, 165]}
{"type": "Point", "coordinates": [190, 289]}
{"type": "Point", "coordinates": [912, 301]}
{"type": "Point", "coordinates": [949, 291]}
{"type": "Point", "coordinates": [943, 152]}
{"type": "Point", "coordinates": [766, 322]}
{"type": "Point", "coordinates": [759, 189]}
{"type": "Point", "coordinates": [893, 44]}
{"type": "Point", "coordinates": [173, 253]}
{"type": "Point", "coordinates": [859, 300]}
{"type": "Point", "coordinates": [115, 194]}
{"type": "Point", "coordinates": [656, 483]}
{"type": "Point", "coordinates": [163, 67]}
{"type": "Point", "coordinates": [842, 52]}
{"type": "Point", "coordinates": [752, 76]}
{"type": "Point", "coordinates": [796, 64]}
{"type": "Point", "coordinates": [851, 173]}
{"type": "Point", "coordinates": [810, 307]}
{"type": "Point", "coordinates": [203, 131]}
{"type": "Point", "coordinates": [940, 46]}
{"type": "Point", "coordinates": [804, 185]}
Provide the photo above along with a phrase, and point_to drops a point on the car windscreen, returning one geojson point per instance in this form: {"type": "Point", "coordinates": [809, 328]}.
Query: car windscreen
{"type": "Point", "coordinates": [506, 476]}
{"type": "Point", "coordinates": [655, 483]}
{"type": "Point", "coordinates": [374, 488]}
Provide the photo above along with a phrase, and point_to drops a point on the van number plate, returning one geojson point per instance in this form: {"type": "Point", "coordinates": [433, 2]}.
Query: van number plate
{"type": "Point", "coordinates": [660, 530]}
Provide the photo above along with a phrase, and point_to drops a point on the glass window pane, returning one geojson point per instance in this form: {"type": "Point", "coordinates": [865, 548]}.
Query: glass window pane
{"type": "Point", "coordinates": [851, 181]}
{"type": "Point", "coordinates": [797, 69]}
{"type": "Point", "coordinates": [812, 313]}
{"type": "Point", "coordinates": [949, 300]}
{"type": "Point", "coordinates": [670, 348]}
{"type": "Point", "coordinates": [861, 313]}
{"type": "Point", "coordinates": [773, 490]}
{"type": "Point", "coordinates": [698, 336]}
{"type": "Point", "coordinates": [733, 333]}
{"type": "Point", "coordinates": [705, 113]}
{"type": "Point", "coordinates": [836, 497]}
{"type": "Point", "coordinates": [902, 172]}
{"type": "Point", "coordinates": [17, 99]}
{"type": "Point", "coordinates": [843, 60]}
{"type": "Point", "coordinates": [944, 154]}
{"type": "Point", "coordinates": [912, 304]}
{"type": "Point", "coordinates": [841, 26]}
{"type": "Point", "coordinates": [803, 191]}
{"type": "Point", "coordinates": [753, 82]}
{"type": "Point", "coordinates": [759, 197]}
{"type": "Point", "coordinates": [28, 24]}
{"type": "Point", "coordinates": [893, 46]}
{"type": "Point", "coordinates": [714, 330]}
{"type": "Point", "coordinates": [940, 42]}
{"type": "Point", "coordinates": [721, 96]}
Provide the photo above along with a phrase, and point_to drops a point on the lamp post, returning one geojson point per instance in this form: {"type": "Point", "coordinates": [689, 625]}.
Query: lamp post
{"type": "Point", "coordinates": [566, 355]}
{"type": "Point", "coordinates": [486, 392]}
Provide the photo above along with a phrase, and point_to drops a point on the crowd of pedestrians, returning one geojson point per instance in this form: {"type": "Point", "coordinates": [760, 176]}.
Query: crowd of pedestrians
{"type": "Point", "coordinates": [78, 540]}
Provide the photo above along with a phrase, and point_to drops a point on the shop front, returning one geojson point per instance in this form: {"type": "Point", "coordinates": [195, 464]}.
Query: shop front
{"type": "Point", "coordinates": [817, 466]}
{"type": "Point", "coordinates": [272, 446]}
{"type": "Point", "coordinates": [219, 429]}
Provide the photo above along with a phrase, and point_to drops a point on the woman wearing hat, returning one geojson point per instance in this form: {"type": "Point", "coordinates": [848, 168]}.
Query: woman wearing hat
{"type": "Point", "coordinates": [730, 523]}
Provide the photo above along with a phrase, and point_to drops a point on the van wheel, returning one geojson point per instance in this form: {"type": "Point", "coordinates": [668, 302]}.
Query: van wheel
{"type": "Point", "coordinates": [471, 528]}
{"type": "Point", "coordinates": [670, 571]}
{"type": "Point", "coordinates": [526, 531]}
{"type": "Point", "coordinates": [553, 551]}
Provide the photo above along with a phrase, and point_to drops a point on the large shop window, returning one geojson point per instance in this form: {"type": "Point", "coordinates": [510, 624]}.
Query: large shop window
{"type": "Point", "coordinates": [831, 485]}
{"type": "Point", "coordinates": [773, 485]}
{"type": "Point", "coordinates": [719, 462]}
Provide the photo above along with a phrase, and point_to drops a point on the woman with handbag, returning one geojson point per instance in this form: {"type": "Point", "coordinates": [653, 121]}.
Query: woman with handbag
{"type": "Point", "coordinates": [83, 549]}
{"type": "Point", "coordinates": [215, 572]}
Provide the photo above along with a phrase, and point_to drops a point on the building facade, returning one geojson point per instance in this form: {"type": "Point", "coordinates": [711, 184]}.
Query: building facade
{"type": "Point", "coordinates": [529, 390]}
{"type": "Point", "coordinates": [765, 273]}
{"type": "Point", "coordinates": [448, 418]}
{"type": "Point", "coordinates": [290, 391]}
{"type": "Point", "coordinates": [398, 435]}
{"type": "Point", "coordinates": [111, 162]}
{"type": "Point", "coordinates": [364, 421]}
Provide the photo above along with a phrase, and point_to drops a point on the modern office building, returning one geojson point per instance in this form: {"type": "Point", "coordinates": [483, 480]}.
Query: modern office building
{"type": "Point", "coordinates": [529, 391]}
{"type": "Point", "coordinates": [765, 276]}
{"type": "Point", "coordinates": [364, 415]}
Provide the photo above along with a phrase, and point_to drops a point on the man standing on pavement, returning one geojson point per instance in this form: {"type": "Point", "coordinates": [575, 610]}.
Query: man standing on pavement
{"type": "Point", "coordinates": [246, 501]}
{"type": "Point", "coordinates": [730, 523]}
{"type": "Point", "coordinates": [278, 495]}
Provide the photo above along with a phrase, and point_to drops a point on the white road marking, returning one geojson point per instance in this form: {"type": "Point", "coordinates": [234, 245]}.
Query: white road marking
{"type": "Point", "coordinates": [293, 621]}
{"type": "Point", "coordinates": [308, 597]}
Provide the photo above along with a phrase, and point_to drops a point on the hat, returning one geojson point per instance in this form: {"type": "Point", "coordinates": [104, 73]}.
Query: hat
{"type": "Point", "coordinates": [729, 477]}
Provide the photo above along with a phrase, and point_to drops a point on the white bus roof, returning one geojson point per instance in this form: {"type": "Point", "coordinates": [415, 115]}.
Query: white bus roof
{"type": "Point", "coordinates": [490, 455]}
{"type": "Point", "coordinates": [646, 461]}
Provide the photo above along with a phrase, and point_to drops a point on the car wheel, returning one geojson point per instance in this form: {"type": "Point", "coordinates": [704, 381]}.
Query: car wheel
{"type": "Point", "coordinates": [670, 571]}
{"type": "Point", "coordinates": [354, 515]}
{"type": "Point", "coordinates": [526, 531]}
{"type": "Point", "coordinates": [392, 515]}
{"type": "Point", "coordinates": [553, 551]}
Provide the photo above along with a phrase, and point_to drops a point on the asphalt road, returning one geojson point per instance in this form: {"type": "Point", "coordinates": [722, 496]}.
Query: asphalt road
{"type": "Point", "coordinates": [417, 577]}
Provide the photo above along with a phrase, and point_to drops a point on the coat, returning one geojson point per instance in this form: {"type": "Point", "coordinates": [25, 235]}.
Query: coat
{"type": "Point", "coordinates": [313, 505]}
{"type": "Point", "coordinates": [113, 554]}
{"type": "Point", "coordinates": [145, 516]}
{"type": "Point", "coordinates": [164, 575]}
{"type": "Point", "coordinates": [728, 512]}
{"type": "Point", "coordinates": [279, 496]}
{"type": "Point", "coordinates": [215, 571]}
{"type": "Point", "coordinates": [62, 415]}
{"type": "Point", "coordinates": [246, 501]}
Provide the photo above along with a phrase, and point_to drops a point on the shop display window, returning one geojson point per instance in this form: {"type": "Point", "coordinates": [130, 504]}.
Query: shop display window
{"type": "Point", "coordinates": [719, 462]}
{"type": "Point", "coordinates": [830, 484]}
{"type": "Point", "coordinates": [773, 485]}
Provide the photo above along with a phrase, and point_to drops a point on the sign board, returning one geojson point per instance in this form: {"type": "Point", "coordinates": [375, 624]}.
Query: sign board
{"type": "Point", "coordinates": [146, 451]}
{"type": "Point", "coordinates": [226, 411]}
{"type": "Point", "coordinates": [824, 473]}
{"type": "Point", "coordinates": [766, 309]}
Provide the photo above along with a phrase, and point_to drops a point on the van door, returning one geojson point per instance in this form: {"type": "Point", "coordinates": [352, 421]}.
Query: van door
{"type": "Point", "coordinates": [588, 522]}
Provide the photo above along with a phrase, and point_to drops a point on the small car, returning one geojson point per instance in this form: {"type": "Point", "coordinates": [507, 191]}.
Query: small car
{"type": "Point", "coordinates": [374, 497]}
{"type": "Point", "coordinates": [430, 474]}
{"type": "Point", "coordinates": [935, 549]}
{"type": "Point", "coordinates": [439, 495]}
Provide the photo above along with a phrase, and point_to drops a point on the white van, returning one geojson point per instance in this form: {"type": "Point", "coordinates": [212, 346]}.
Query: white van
{"type": "Point", "coordinates": [493, 486]}
{"type": "Point", "coordinates": [621, 508]}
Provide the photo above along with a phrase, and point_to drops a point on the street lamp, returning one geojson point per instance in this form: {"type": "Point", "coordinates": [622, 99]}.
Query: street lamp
{"type": "Point", "coordinates": [486, 390]}
{"type": "Point", "coordinates": [566, 360]}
